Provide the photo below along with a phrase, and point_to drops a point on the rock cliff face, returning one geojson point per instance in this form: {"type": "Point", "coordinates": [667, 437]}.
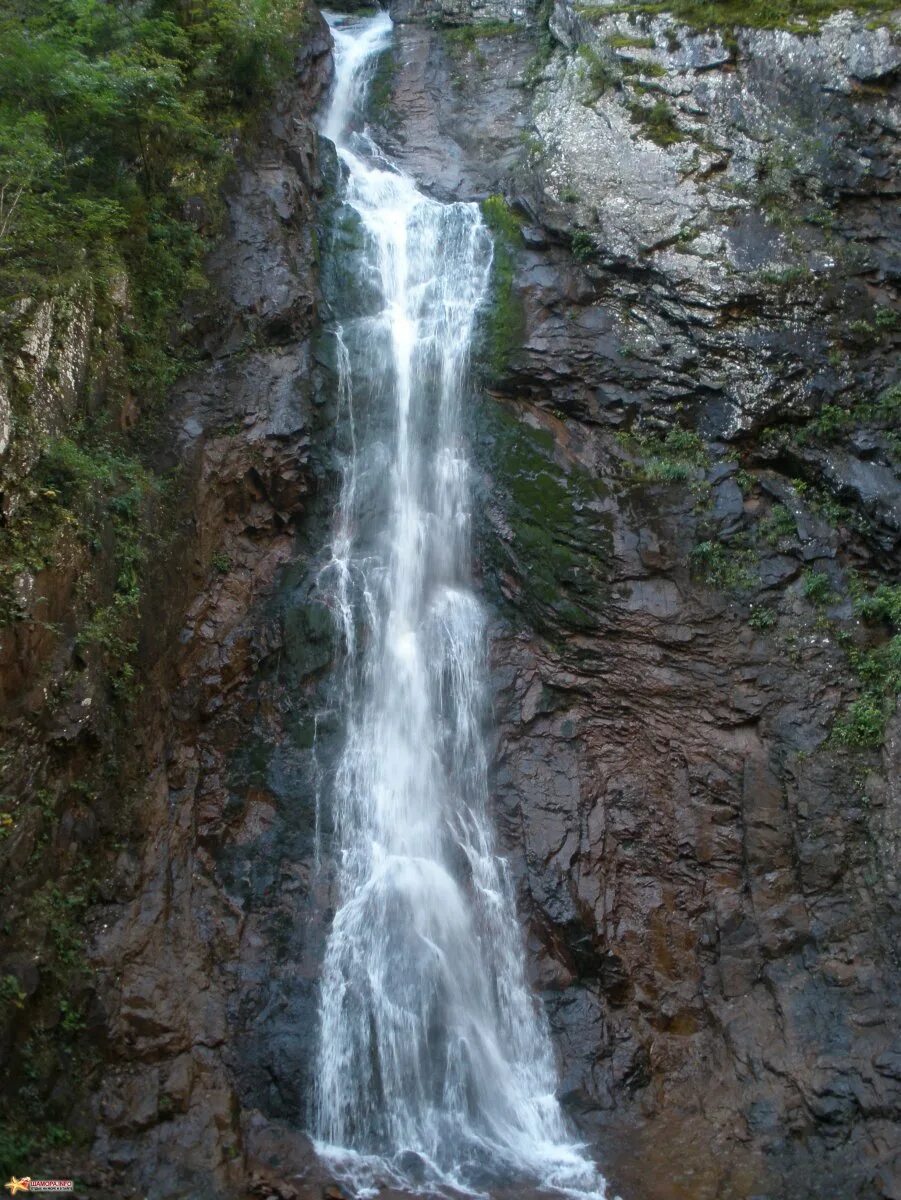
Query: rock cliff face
{"type": "Point", "coordinates": [146, 838]}
{"type": "Point", "coordinates": [688, 442]}
{"type": "Point", "coordinates": [699, 269]}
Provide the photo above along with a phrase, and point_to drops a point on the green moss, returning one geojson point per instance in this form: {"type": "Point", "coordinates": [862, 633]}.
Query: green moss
{"type": "Point", "coordinates": [503, 318]}
{"type": "Point", "coordinates": [785, 277]}
{"type": "Point", "coordinates": [502, 220]}
{"type": "Point", "coordinates": [381, 90]}
{"type": "Point", "coordinates": [559, 546]}
{"type": "Point", "coordinates": [471, 35]}
{"type": "Point", "coordinates": [620, 41]}
{"type": "Point", "coordinates": [658, 122]}
{"type": "Point", "coordinates": [799, 16]}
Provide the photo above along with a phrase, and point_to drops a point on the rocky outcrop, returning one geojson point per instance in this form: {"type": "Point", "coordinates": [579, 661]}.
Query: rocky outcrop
{"type": "Point", "coordinates": [158, 1024]}
{"type": "Point", "coordinates": [704, 273]}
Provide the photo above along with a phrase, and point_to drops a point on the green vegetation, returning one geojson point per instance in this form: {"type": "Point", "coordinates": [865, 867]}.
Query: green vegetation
{"type": "Point", "coordinates": [878, 670]}
{"type": "Point", "coordinates": [605, 72]}
{"type": "Point", "coordinates": [12, 997]}
{"type": "Point", "coordinates": [622, 41]}
{"type": "Point", "coordinates": [658, 122]}
{"type": "Point", "coordinates": [779, 523]}
{"type": "Point", "coordinates": [730, 569]}
{"type": "Point", "coordinates": [470, 35]}
{"type": "Point", "coordinates": [883, 604]}
{"type": "Point", "coordinates": [798, 16]}
{"type": "Point", "coordinates": [545, 43]}
{"type": "Point", "coordinates": [784, 277]}
{"type": "Point", "coordinates": [116, 128]}
{"type": "Point", "coordinates": [674, 457]}
{"type": "Point", "coordinates": [381, 89]}
{"type": "Point", "coordinates": [818, 588]}
{"type": "Point", "coordinates": [762, 618]}
{"type": "Point", "coordinates": [583, 247]}
{"type": "Point", "coordinates": [863, 726]}
{"type": "Point", "coordinates": [559, 545]}
{"type": "Point", "coordinates": [95, 501]}
{"type": "Point", "coordinates": [504, 320]}
{"type": "Point", "coordinates": [833, 421]}
{"type": "Point", "coordinates": [601, 73]}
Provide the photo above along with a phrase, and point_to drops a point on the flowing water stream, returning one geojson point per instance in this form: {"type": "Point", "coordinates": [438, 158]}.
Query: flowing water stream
{"type": "Point", "coordinates": [435, 1069]}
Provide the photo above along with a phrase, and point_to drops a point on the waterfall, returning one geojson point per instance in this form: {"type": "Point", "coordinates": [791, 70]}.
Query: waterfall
{"type": "Point", "coordinates": [435, 1070]}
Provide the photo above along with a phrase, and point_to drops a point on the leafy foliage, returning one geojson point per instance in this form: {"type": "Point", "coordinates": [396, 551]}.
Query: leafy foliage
{"type": "Point", "coordinates": [818, 588]}
{"type": "Point", "coordinates": [726, 568]}
{"type": "Point", "coordinates": [114, 119]}
{"type": "Point", "coordinates": [673, 457]}
{"type": "Point", "coordinates": [878, 670]}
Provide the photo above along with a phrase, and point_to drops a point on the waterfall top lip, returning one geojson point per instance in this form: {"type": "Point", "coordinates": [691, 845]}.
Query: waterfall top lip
{"type": "Point", "coordinates": [340, 19]}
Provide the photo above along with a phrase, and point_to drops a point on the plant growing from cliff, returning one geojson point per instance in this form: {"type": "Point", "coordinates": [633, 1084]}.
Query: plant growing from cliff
{"type": "Point", "coordinates": [470, 35]}
{"type": "Point", "coordinates": [674, 457]}
{"type": "Point", "coordinates": [12, 997]}
{"type": "Point", "coordinates": [658, 122]}
{"type": "Point", "coordinates": [622, 41]}
{"type": "Point", "coordinates": [729, 569]}
{"type": "Point", "coordinates": [762, 618]}
{"type": "Point", "coordinates": [582, 245]}
{"type": "Point", "coordinates": [818, 588]}
{"type": "Point", "coordinates": [882, 604]}
{"type": "Point", "coordinates": [99, 497]}
{"type": "Point", "coordinates": [779, 523]}
{"type": "Point", "coordinates": [600, 72]}
{"type": "Point", "coordinates": [878, 670]}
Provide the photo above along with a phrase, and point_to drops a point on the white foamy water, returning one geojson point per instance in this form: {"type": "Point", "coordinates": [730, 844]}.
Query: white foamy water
{"type": "Point", "coordinates": [435, 1069]}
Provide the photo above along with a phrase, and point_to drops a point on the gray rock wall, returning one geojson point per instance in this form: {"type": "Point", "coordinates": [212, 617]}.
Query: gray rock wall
{"type": "Point", "coordinates": [707, 258]}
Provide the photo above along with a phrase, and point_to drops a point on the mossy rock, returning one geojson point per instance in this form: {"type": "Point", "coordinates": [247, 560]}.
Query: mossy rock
{"type": "Point", "coordinates": [559, 546]}
{"type": "Point", "coordinates": [309, 637]}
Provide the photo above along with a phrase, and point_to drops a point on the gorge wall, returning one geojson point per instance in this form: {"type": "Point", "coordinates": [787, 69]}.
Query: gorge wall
{"type": "Point", "coordinates": [691, 516]}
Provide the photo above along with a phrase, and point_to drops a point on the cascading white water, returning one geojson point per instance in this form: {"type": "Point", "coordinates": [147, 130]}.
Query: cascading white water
{"type": "Point", "coordinates": [435, 1069]}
